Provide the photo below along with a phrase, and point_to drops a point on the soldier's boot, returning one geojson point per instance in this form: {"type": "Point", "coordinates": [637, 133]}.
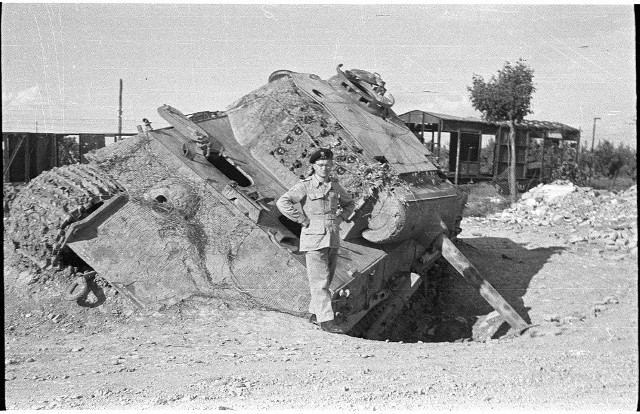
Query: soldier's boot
{"type": "Point", "coordinates": [330, 326]}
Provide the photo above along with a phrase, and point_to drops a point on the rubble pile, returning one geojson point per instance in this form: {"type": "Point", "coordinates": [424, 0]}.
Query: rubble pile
{"type": "Point", "coordinates": [600, 217]}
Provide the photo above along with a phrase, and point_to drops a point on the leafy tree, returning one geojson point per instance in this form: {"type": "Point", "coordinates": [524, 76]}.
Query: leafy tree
{"type": "Point", "coordinates": [611, 161]}
{"type": "Point", "coordinates": [584, 158]}
{"type": "Point", "coordinates": [570, 170]}
{"type": "Point", "coordinates": [506, 97]}
{"type": "Point", "coordinates": [68, 150]}
{"type": "Point", "coordinates": [630, 167]}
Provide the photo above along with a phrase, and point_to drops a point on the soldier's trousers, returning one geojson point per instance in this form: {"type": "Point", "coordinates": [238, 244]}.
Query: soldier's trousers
{"type": "Point", "coordinates": [321, 266]}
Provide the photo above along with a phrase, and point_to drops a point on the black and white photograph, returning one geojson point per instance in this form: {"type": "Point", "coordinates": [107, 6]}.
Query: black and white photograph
{"type": "Point", "coordinates": [298, 207]}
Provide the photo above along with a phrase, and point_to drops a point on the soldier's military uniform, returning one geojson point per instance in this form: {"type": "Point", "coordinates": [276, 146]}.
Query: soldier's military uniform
{"type": "Point", "coordinates": [324, 206]}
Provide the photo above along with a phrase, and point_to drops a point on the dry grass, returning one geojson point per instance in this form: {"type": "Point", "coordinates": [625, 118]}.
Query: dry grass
{"type": "Point", "coordinates": [619, 184]}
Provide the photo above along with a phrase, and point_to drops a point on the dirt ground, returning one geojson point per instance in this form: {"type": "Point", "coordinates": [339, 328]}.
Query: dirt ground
{"type": "Point", "coordinates": [582, 352]}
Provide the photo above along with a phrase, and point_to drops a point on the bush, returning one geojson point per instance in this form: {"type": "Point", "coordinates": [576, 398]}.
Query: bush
{"type": "Point", "coordinates": [606, 160]}
{"type": "Point", "coordinates": [483, 200]}
{"type": "Point", "coordinates": [571, 171]}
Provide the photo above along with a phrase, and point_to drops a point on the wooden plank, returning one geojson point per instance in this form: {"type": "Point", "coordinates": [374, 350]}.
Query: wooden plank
{"type": "Point", "coordinates": [458, 157]}
{"type": "Point", "coordinates": [46, 152]}
{"type": "Point", "coordinates": [5, 156]}
{"type": "Point", "coordinates": [496, 152]}
{"type": "Point", "coordinates": [439, 142]}
{"type": "Point", "coordinates": [27, 158]}
{"type": "Point", "coordinates": [451, 253]}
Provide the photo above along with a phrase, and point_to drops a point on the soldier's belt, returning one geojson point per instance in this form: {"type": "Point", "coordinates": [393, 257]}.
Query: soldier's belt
{"type": "Point", "coordinates": [323, 217]}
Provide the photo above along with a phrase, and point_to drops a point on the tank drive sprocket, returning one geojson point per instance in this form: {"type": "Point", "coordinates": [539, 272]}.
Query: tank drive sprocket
{"type": "Point", "coordinates": [44, 209]}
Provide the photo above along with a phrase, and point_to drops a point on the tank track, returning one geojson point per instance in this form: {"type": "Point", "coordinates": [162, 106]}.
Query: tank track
{"type": "Point", "coordinates": [44, 209]}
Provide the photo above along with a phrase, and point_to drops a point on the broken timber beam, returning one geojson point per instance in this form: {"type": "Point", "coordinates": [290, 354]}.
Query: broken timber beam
{"type": "Point", "coordinates": [451, 253]}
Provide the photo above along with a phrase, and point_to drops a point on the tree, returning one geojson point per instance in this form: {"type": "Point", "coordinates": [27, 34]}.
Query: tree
{"type": "Point", "coordinates": [630, 163]}
{"type": "Point", "coordinates": [505, 98]}
{"type": "Point", "coordinates": [68, 150]}
{"type": "Point", "coordinates": [610, 161]}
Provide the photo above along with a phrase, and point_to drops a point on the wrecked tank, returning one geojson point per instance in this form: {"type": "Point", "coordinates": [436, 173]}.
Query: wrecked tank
{"type": "Point", "coordinates": [184, 211]}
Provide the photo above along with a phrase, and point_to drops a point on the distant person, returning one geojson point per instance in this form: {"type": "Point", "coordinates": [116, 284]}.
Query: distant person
{"type": "Point", "coordinates": [325, 204]}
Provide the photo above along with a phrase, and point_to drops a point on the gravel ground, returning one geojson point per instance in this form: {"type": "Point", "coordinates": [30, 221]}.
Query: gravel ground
{"type": "Point", "coordinates": [581, 353]}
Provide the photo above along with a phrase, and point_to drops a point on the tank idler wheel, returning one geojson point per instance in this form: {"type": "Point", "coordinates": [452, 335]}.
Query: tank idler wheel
{"type": "Point", "coordinates": [79, 288]}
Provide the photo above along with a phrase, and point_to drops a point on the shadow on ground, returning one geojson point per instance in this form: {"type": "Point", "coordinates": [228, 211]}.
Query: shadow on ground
{"type": "Point", "coordinates": [448, 309]}
{"type": "Point", "coordinates": [95, 297]}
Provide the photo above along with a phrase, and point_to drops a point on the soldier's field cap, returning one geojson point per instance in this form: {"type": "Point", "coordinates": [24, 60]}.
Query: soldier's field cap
{"type": "Point", "coordinates": [321, 154]}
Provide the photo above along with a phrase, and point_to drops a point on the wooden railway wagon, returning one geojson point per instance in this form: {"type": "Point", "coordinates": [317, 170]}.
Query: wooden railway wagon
{"type": "Point", "coordinates": [25, 155]}
{"type": "Point", "coordinates": [540, 146]}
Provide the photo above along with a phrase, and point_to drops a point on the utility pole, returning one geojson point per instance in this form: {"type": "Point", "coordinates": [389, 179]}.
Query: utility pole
{"type": "Point", "coordinates": [578, 146]}
{"type": "Point", "coordinates": [593, 140]}
{"type": "Point", "coordinates": [120, 113]}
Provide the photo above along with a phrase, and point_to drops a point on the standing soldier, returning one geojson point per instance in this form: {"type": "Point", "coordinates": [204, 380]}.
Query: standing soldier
{"type": "Point", "coordinates": [325, 204]}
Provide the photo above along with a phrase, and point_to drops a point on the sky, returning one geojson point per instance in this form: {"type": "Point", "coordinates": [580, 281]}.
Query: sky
{"type": "Point", "coordinates": [61, 62]}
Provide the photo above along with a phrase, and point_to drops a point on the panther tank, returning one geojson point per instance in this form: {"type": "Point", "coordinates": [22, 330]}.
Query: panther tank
{"type": "Point", "coordinates": [188, 210]}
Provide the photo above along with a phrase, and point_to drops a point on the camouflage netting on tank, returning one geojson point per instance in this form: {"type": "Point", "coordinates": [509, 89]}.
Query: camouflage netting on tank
{"type": "Point", "coordinates": [42, 212]}
{"type": "Point", "coordinates": [295, 126]}
{"type": "Point", "coordinates": [161, 256]}
{"type": "Point", "coordinates": [174, 251]}
{"type": "Point", "coordinates": [9, 193]}
{"type": "Point", "coordinates": [132, 163]}
{"type": "Point", "coordinates": [140, 169]}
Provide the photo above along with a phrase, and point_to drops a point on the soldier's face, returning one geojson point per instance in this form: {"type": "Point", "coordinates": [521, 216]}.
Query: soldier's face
{"type": "Point", "coordinates": [322, 168]}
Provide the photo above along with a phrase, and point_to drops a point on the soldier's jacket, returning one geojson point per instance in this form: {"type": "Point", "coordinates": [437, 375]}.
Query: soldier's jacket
{"type": "Point", "coordinates": [324, 207]}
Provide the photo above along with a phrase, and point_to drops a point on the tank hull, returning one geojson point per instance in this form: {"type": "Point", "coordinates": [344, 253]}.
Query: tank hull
{"type": "Point", "coordinates": [199, 212]}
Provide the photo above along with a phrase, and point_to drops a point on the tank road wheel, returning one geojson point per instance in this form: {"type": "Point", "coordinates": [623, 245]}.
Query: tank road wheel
{"type": "Point", "coordinates": [78, 289]}
{"type": "Point", "coordinates": [42, 211]}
